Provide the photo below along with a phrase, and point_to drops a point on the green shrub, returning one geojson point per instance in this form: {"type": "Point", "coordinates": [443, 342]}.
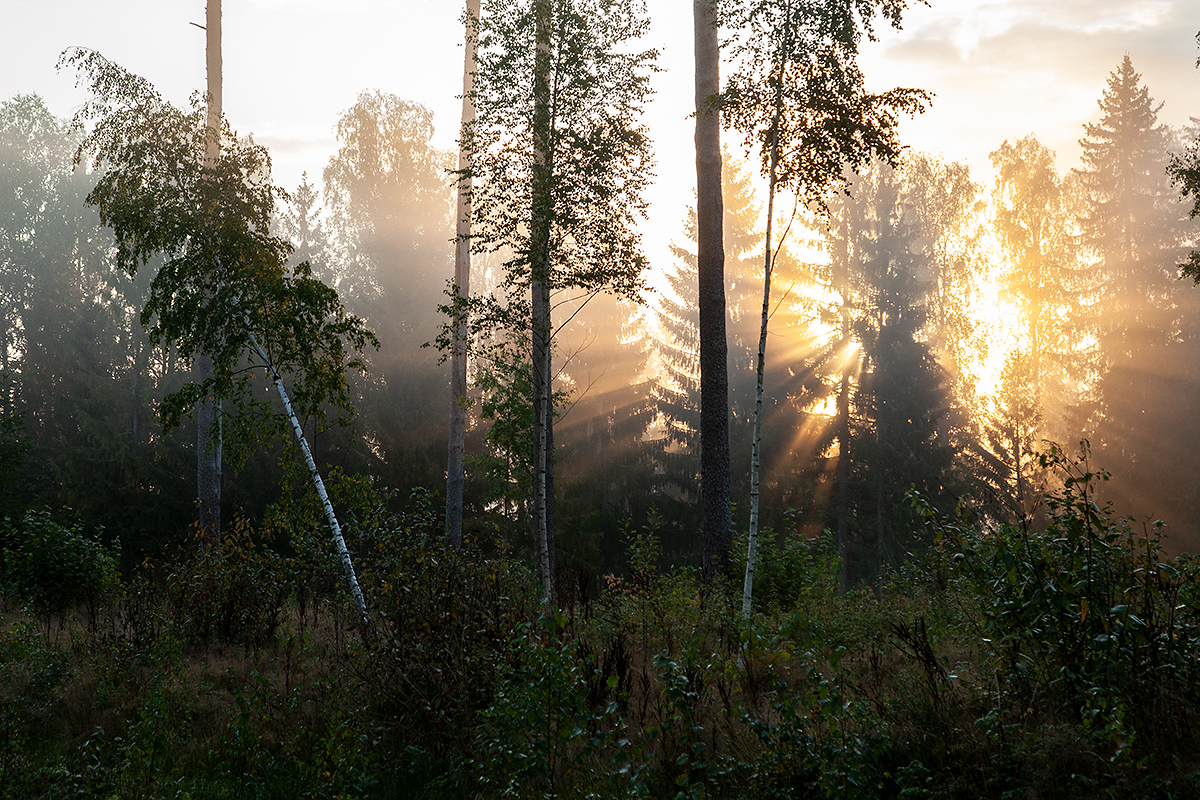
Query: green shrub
{"type": "Point", "coordinates": [790, 569]}
{"type": "Point", "coordinates": [545, 729]}
{"type": "Point", "coordinates": [231, 590]}
{"type": "Point", "coordinates": [54, 566]}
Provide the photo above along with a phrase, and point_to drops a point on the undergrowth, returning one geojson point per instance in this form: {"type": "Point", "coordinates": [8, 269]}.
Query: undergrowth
{"type": "Point", "coordinates": [1003, 662]}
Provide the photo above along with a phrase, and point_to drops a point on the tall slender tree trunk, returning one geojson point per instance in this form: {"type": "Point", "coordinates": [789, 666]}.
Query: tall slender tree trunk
{"type": "Point", "coordinates": [761, 365]}
{"type": "Point", "coordinates": [140, 360]}
{"type": "Point", "coordinates": [841, 284]}
{"type": "Point", "coordinates": [756, 446]}
{"type": "Point", "coordinates": [208, 450]}
{"type": "Point", "coordinates": [462, 290]}
{"type": "Point", "coordinates": [543, 170]}
{"type": "Point", "coordinates": [843, 463]}
{"type": "Point", "coordinates": [710, 266]}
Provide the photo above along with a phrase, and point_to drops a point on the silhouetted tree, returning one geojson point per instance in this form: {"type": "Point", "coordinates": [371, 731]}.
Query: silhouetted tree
{"type": "Point", "coordinates": [1142, 320]}
{"type": "Point", "coordinates": [892, 396]}
{"type": "Point", "coordinates": [798, 94]}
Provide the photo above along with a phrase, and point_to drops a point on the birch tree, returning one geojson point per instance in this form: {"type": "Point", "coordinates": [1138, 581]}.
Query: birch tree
{"type": "Point", "coordinates": [224, 287]}
{"type": "Point", "coordinates": [559, 162]}
{"type": "Point", "coordinates": [797, 95]}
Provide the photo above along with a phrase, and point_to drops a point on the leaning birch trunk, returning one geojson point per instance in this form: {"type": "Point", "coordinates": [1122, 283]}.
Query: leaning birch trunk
{"type": "Point", "coordinates": [540, 298]}
{"type": "Point", "coordinates": [338, 541]}
{"type": "Point", "coordinates": [462, 290]}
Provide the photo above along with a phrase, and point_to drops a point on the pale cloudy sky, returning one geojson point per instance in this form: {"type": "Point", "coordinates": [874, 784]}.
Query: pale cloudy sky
{"type": "Point", "coordinates": [1000, 69]}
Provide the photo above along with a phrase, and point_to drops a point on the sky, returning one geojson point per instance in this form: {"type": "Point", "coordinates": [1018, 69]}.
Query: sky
{"type": "Point", "coordinates": [999, 69]}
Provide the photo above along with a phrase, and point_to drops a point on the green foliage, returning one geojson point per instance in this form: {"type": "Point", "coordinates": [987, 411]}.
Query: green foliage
{"type": "Point", "coordinates": [13, 444]}
{"type": "Point", "coordinates": [596, 150]}
{"type": "Point", "coordinates": [53, 565]}
{"type": "Point", "coordinates": [231, 590]}
{"type": "Point", "coordinates": [790, 571]}
{"type": "Point", "coordinates": [1005, 663]}
{"type": "Point", "coordinates": [818, 738]}
{"type": "Point", "coordinates": [224, 287]}
{"type": "Point", "coordinates": [797, 91]}
{"type": "Point", "coordinates": [1086, 616]}
{"type": "Point", "coordinates": [444, 620]}
{"type": "Point", "coordinates": [33, 677]}
{"type": "Point", "coordinates": [554, 710]}
{"type": "Point", "coordinates": [1184, 169]}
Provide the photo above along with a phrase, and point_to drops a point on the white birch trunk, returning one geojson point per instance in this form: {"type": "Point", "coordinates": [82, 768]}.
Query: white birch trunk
{"type": "Point", "coordinates": [540, 299]}
{"type": "Point", "coordinates": [756, 447]}
{"type": "Point", "coordinates": [338, 541]}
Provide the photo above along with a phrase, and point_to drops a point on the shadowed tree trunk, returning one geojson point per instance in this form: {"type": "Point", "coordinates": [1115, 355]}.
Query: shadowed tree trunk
{"type": "Point", "coordinates": [710, 264]}
{"type": "Point", "coordinates": [543, 419]}
{"type": "Point", "coordinates": [462, 290]}
{"type": "Point", "coordinates": [208, 447]}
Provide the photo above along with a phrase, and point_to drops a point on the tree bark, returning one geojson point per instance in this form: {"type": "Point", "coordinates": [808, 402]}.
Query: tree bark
{"type": "Point", "coordinates": [208, 451]}
{"type": "Point", "coordinates": [462, 290]}
{"type": "Point", "coordinates": [710, 263]}
{"type": "Point", "coordinates": [338, 541]}
{"type": "Point", "coordinates": [542, 211]}
{"type": "Point", "coordinates": [843, 464]}
{"type": "Point", "coordinates": [756, 446]}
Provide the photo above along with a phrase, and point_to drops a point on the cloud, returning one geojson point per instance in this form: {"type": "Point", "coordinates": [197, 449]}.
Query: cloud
{"type": "Point", "coordinates": [1005, 68]}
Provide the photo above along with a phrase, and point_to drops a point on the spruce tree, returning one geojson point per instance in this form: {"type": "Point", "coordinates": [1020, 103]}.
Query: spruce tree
{"type": "Point", "coordinates": [1142, 319]}
{"type": "Point", "coordinates": [1130, 220]}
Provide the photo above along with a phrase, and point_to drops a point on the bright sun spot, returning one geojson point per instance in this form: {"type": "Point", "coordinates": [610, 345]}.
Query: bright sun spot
{"type": "Point", "coordinates": [999, 330]}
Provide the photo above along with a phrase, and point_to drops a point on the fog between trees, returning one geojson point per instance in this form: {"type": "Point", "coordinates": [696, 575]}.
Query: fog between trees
{"type": "Point", "coordinates": [927, 332]}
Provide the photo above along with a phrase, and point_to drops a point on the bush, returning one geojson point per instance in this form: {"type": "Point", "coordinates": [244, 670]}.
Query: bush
{"type": "Point", "coordinates": [1087, 618]}
{"type": "Point", "coordinates": [232, 590]}
{"type": "Point", "coordinates": [54, 566]}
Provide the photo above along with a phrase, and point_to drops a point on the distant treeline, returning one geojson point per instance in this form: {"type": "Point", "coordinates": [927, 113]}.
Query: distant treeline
{"type": "Point", "coordinates": [889, 368]}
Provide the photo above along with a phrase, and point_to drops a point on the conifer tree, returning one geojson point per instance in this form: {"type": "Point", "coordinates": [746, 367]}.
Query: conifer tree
{"type": "Point", "coordinates": [1130, 219]}
{"type": "Point", "coordinates": [1141, 318]}
{"type": "Point", "coordinates": [891, 393]}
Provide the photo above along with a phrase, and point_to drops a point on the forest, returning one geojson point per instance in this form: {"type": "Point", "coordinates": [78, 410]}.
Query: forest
{"type": "Point", "coordinates": [419, 479]}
